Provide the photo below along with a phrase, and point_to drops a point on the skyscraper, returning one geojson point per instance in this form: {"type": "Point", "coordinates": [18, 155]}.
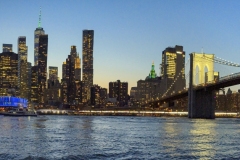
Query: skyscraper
{"type": "Point", "coordinates": [42, 66]}
{"type": "Point", "coordinates": [173, 68]}
{"type": "Point", "coordinates": [71, 74]}
{"type": "Point", "coordinates": [71, 78]}
{"type": "Point", "coordinates": [64, 97]}
{"type": "Point", "coordinates": [64, 70]}
{"type": "Point", "coordinates": [87, 63]}
{"type": "Point", "coordinates": [34, 84]}
{"type": "Point", "coordinates": [53, 73]}
{"type": "Point", "coordinates": [7, 48]}
{"type": "Point", "coordinates": [52, 94]}
{"type": "Point", "coordinates": [8, 72]}
{"type": "Point", "coordinates": [29, 72]}
{"type": "Point", "coordinates": [78, 68]}
{"type": "Point", "coordinates": [39, 31]}
{"type": "Point", "coordinates": [22, 67]}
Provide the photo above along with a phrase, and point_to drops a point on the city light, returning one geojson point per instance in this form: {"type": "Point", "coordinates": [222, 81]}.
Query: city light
{"type": "Point", "coordinates": [8, 101]}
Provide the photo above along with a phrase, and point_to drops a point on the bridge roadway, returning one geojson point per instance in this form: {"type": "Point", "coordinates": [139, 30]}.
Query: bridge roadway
{"type": "Point", "coordinates": [223, 82]}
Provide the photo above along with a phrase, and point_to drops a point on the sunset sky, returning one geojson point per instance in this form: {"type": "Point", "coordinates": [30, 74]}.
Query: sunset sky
{"type": "Point", "coordinates": [128, 35]}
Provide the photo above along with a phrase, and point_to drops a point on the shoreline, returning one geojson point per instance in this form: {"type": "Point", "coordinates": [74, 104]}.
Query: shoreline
{"type": "Point", "coordinates": [134, 113]}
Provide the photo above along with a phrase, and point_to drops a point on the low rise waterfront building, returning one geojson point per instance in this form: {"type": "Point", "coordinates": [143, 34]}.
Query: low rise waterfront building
{"type": "Point", "coordinates": [119, 90]}
{"type": "Point", "coordinates": [229, 102]}
{"type": "Point", "coordinates": [149, 89]}
{"type": "Point", "coordinates": [98, 96]}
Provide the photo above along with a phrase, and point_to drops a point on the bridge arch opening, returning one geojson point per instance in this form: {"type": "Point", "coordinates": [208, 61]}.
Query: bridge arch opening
{"type": "Point", "coordinates": [197, 75]}
{"type": "Point", "coordinates": [206, 74]}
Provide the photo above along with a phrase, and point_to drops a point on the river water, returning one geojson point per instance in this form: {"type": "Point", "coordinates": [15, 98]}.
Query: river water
{"type": "Point", "coordinates": [116, 137]}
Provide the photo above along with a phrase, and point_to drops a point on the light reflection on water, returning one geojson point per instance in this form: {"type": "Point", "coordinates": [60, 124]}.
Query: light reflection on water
{"type": "Point", "coordinates": [82, 137]}
{"type": "Point", "coordinates": [203, 136]}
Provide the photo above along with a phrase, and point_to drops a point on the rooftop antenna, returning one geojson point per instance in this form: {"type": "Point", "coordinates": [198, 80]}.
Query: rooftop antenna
{"type": "Point", "coordinates": [202, 50]}
{"type": "Point", "coordinates": [39, 20]}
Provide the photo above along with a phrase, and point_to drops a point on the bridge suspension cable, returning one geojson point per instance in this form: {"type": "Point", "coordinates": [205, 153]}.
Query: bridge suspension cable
{"type": "Point", "coordinates": [186, 77]}
{"type": "Point", "coordinates": [175, 79]}
{"type": "Point", "coordinates": [225, 62]}
{"type": "Point", "coordinates": [220, 61]}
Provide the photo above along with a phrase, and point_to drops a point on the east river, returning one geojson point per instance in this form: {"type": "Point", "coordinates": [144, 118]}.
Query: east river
{"type": "Point", "coordinates": [118, 137]}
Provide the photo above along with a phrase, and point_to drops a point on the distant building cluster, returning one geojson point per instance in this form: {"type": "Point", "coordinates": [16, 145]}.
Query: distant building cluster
{"type": "Point", "coordinates": [227, 101]}
{"type": "Point", "coordinates": [42, 86]}
{"type": "Point", "coordinates": [153, 87]}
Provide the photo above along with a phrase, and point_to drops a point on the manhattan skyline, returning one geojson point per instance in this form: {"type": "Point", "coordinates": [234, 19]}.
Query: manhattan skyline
{"type": "Point", "coordinates": [128, 35]}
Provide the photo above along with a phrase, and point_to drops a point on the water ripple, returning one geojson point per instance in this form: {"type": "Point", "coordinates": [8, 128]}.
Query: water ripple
{"type": "Point", "coordinates": [73, 137]}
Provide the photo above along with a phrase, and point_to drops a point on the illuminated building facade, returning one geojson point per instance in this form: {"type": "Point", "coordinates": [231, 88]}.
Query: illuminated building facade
{"type": "Point", "coordinates": [229, 102]}
{"type": "Point", "coordinates": [98, 96]}
{"type": "Point", "coordinates": [22, 67]}
{"type": "Point", "coordinates": [53, 73]}
{"type": "Point", "coordinates": [6, 101]}
{"type": "Point", "coordinates": [133, 92]}
{"type": "Point", "coordinates": [95, 95]}
{"type": "Point", "coordinates": [53, 92]}
{"type": "Point", "coordinates": [148, 89]}
{"type": "Point", "coordinates": [29, 72]}
{"type": "Point", "coordinates": [78, 83]}
{"type": "Point", "coordinates": [78, 91]}
{"type": "Point", "coordinates": [64, 70]}
{"type": "Point", "coordinates": [39, 31]}
{"type": "Point", "coordinates": [70, 75]}
{"type": "Point", "coordinates": [78, 68]}
{"type": "Point", "coordinates": [42, 66]}
{"type": "Point", "coordinates": [119, 90]}
{"type": "Point", "coordinates": [133, 97]}
{"type": "Point", "coordinates": [71, 83]}
{"type": "Point", "coordinates": [173, 69]}
{"type": "Point", "coordinates": [7, 47]}
{"type": "Point", "coordinates": [152, 73]}
{"type": "Point", "coordinates": [64, 84]}
{"type": "Point", "coordinates": [87, 62]}
{"type": "Point", "coordinates": [8, 72]}
{"type": "Point", "coordinates": [34, 84]}
{"type": "Point", "coordinates": [64, 92]}
{"type": "Point", "coordinates": [103, 96]}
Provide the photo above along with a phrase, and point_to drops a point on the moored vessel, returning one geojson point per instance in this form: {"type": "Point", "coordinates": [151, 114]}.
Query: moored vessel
{"type": "Point", "coordinates": [20, 112]}
{"type": "Point", "coordinates": [16, 106]}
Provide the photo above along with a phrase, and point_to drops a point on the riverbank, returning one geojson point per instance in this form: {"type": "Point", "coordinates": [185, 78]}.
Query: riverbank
{"type": "Point", "coordinates": [131, 113]}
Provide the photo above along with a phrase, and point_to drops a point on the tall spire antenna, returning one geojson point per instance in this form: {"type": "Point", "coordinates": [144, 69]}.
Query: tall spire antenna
{"type": "Point", "coordinates": [39, 20]}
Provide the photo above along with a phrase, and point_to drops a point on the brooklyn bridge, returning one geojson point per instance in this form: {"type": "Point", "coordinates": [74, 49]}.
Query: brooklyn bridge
{"type": "Point", "coordinates": [204, 83]}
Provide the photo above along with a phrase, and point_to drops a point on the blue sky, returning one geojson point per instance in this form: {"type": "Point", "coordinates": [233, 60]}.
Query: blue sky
{"type": "Point", "coordinates": [129, 35]}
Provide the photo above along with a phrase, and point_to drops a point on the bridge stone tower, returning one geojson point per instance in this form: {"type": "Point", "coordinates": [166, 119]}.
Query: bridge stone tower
{"type": "Point", "coordinates": [201, 102]}
{"type": "Point", "coordinates": [204, 64]}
